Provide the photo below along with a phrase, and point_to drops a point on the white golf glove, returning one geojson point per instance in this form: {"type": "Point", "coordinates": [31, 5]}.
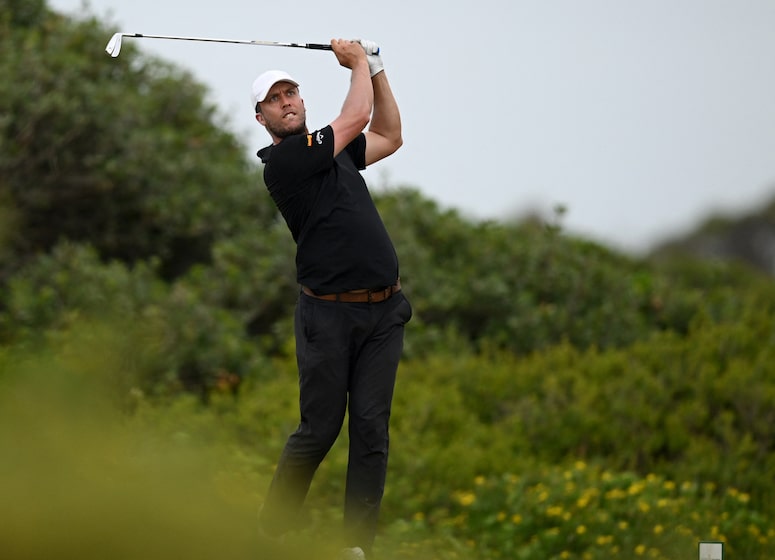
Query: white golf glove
{"type": "Point", "coordinates": [372, 55]}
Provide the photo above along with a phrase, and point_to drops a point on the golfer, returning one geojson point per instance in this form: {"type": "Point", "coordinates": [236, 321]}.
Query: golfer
{"type": "Point", "coordinates": [351, 312]}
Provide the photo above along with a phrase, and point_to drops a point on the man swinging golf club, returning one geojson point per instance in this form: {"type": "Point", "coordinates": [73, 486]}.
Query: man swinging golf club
{"type": "Point", "coordinates": [351, 312]}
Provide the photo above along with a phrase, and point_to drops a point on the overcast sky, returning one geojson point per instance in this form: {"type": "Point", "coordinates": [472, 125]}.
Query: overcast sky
{"type": "Point", "coordinates": [639, 116]}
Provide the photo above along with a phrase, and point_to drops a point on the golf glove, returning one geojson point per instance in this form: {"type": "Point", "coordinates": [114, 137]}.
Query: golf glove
{"type": "Point", "coordinates": [372, 55]}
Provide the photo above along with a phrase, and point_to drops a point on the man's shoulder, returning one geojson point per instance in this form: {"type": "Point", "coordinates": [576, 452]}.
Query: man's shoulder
{"type": "Point", "coordinates": [265, 153]}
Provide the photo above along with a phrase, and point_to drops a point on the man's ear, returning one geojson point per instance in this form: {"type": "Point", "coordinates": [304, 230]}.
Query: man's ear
{"type": "Point", "coordinates": [260, 119]}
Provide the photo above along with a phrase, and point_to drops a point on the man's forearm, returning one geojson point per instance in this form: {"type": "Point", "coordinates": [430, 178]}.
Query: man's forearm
{"type": "Point", "coordinates": [360, 96]}
{"type": "Point", "coordinates": [357, 107]}
{"type": "Point", "coordinates": [386, 118]}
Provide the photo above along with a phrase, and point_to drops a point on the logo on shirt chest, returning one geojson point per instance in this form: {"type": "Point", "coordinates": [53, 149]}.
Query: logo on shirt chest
{"type": "Point", "coordinates": [318, 138]}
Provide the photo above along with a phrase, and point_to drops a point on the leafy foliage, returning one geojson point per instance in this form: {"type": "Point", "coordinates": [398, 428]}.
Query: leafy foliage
{"type": "Point", "coordinates": [140, 254]}
{"type": "Point", "coordinates": [123, 154]}
{"type": "Point", "coordinates": [527, 286]}
{"type": "Point", "coordinates": [583, 511]}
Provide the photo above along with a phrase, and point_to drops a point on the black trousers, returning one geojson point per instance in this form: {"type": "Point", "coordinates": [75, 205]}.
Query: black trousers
{"type": "Point", "coordinates": [347, 355]}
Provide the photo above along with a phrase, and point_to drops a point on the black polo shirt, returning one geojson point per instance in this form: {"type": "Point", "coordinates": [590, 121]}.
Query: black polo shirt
{"type": "Point", "coordinates": [341, 242]}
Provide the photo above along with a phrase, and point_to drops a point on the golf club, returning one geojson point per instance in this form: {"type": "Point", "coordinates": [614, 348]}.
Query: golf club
{"type": "Point", "coordinates": [114, 45]}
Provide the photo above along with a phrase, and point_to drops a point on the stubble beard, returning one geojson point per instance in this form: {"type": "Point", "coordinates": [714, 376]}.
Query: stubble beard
{"type": "Point", "coordinates": [279, 130]}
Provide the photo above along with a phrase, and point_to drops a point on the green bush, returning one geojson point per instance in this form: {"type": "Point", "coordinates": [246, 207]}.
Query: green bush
{"type": "Point", "coordinates": [472, 436]}
{"type": "Point", "coordinates": [124, 154]}
{"type": "Point", "coordinates": [586, 512]}
{"type": "Point", "coordinates": [190, 344]}
{"type": "Point", "coordinates": [694, 407]}
{"type": "Point", "coordinates": [146, 296]}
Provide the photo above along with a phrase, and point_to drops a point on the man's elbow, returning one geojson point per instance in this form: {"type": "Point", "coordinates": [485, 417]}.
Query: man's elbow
{"type": "Point", "coordinates": [380, 146]}
{"type": "Point", "coordinates": [397, 143]}
{"type": "Point", "coordinates": [390, 145]}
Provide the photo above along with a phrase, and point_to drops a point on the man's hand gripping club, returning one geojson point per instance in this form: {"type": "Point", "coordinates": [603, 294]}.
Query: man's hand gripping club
{"type": "Point", "coordinates": [373, 57]}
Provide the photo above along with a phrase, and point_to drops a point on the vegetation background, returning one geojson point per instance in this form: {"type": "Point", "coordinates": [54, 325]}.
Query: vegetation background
{"type": "Point", "coordinates": [557, 399]}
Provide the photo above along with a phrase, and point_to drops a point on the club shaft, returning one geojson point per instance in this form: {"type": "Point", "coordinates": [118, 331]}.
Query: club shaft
{"type": "Point", "coordinates": [236, 41]}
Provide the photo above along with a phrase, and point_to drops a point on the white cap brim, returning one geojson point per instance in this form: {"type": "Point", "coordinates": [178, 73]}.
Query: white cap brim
{"type": "Point", "coordinates": [264, 83]}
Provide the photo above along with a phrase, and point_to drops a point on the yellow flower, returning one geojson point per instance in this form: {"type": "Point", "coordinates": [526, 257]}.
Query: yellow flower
{"type": "Point", "coordinates": [465, 499]}
{"type": "Point", "coordinates": [669, 485]}
{"type": "Point", "coordinates": [564, 554]}
{"type": "Point", "coordinates": [640, 550]}
{"type": "Point", "coordinates": [479, 480]}
{"type": "Point", "coordinates": [516, 519]}
{"type": "Point", "coordinates": [554, 511]}
{"type": "Point", "coordinates": [623, 525]}
{"type": "Point", "coordinates": [419, 516]}
{"type": "Point", "coordinates": [659, 529]}
{"type": "Point", "coordinates": [501, 516]}
{"type": "Point", "coordinates": [581, 529]}
{"type": "Point", "coordinates": [643, 506]}
{"type": "Point", "coordinates": [615, 494]}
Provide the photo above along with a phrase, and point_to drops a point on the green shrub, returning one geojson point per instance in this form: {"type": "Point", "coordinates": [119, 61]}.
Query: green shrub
{"type": "Point", "coordinates": [188, 343]}
{"type": "Point", "coordinates": [585, 512]}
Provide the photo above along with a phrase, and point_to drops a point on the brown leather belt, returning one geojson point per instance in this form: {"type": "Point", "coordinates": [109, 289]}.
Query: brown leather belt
{"type": "Point", "coordinates": [358, 296]}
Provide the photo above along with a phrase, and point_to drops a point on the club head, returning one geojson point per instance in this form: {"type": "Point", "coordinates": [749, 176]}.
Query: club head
{"type": "Point", "coordinates": [114, 45]}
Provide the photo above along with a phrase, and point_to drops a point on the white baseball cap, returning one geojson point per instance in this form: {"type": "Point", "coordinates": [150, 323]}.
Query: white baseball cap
{"type": "Point", "coordinates": [264, 83]}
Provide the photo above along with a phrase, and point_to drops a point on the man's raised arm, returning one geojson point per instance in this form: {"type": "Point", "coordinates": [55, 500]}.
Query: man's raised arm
{"type": "Point", "coordinates": [358, 104]}
{"type": "Point", "coordinates": [384, 134]}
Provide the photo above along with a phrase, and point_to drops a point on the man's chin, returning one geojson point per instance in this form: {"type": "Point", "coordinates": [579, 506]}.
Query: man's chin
{"type": "Point", "coordinates": [290, 131]}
